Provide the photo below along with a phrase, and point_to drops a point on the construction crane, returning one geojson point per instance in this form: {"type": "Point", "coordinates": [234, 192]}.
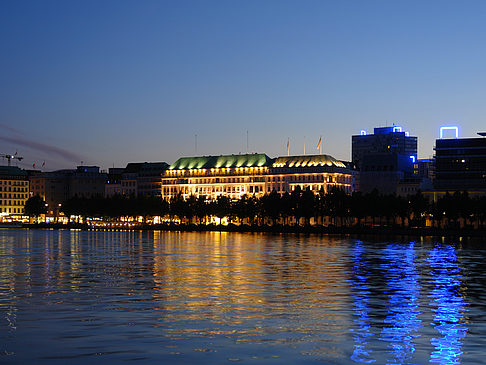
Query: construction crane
{"type": "Point", "coordinates": [11, 157]}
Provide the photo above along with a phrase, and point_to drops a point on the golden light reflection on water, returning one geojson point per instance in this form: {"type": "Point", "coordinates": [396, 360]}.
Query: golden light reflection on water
{"type": "Point", "coordinates": [260, 288]}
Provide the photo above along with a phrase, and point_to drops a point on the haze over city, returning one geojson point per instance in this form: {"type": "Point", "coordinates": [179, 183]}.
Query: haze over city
{"type": "Point", "coordinates": [113, 82]}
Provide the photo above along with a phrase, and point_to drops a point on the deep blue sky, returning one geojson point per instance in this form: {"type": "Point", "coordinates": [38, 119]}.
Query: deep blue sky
{"type": "Point", "coordinates": [112, 82]}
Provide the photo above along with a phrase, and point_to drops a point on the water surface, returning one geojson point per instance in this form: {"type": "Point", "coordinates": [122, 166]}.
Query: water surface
{"type": "Point", "coordinates": [170, 297]}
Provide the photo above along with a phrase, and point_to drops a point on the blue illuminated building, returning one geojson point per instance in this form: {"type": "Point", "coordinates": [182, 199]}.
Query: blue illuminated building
{"type": "Point", "coordinates": [385, 159]}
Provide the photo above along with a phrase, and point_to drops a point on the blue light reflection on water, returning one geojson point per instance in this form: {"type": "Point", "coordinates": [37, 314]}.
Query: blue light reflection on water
{"type": "Point", "coordinates": [361, 297]}
{"type": "Point", "coordinates": [402, 322]}
{"type": "Point", "coordinates": [447, 305]}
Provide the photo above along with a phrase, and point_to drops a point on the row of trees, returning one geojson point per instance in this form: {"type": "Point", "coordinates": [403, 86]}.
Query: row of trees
{"type": "Point", "coordinates": [298, 207]}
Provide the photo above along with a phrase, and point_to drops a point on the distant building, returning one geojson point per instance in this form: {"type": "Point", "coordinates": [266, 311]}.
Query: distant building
{"type": "Point", "coordinates": [253, 175]}
{"type": "Point", "coordinates": [383, 140]}
{"type": "Point", "coordinates": [424, 169]}
{"type": "Point", "coordinates": [384, 160]}
{"type": "Point", "coordinates": [56, 187]}
{"type": "Point", "coordinates": [113, 181]}
{"type": "Point", "coordinates": [384, 172]}
{"type": "Point", "coordinates": [87, 181]}
{"type": "Point", "coordinates": [36, 183]}
{"type": "Point", "coordinates": [149, 182]}
{"type": "Point", "coordinates": [14, 190]}
{"type": "Point", "coordinates": [129, 179]}
{"type": "Point", "coordinates": [460, 164]}
{"type": "Point", "coordinates": [143, 178]}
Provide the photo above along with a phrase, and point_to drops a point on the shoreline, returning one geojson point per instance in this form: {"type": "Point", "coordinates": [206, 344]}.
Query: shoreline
{"type": "Point", "coordinates": [362, 230]}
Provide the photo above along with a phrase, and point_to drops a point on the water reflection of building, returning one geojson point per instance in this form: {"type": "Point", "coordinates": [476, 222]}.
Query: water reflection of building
{"type": "Point", "coordinates": [391, 307]}
{"type": "Point", "coordinates": [402, 319]}
{"type": "Point", "coordinates": [385, 303]}
{"type": "Point", "coordinates": [361, 305]}
{"type": "Point", "coordinates": [447, 305]}
{"type": "Point", "coordinates": [253, 289]}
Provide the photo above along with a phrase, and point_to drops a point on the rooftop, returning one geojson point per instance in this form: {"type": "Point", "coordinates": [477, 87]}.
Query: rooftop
{"type": "Point", "coordinates": [307, 161]}
{"type": "Point", "coordinates": [12, 171]}
{"type": "Point", "coordinates": [223, 161]}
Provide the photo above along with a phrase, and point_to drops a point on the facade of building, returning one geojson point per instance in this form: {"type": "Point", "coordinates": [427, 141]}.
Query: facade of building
{"type": "Point", "coordinates": [142, 178]}
{"type": "Point", "coordinates": [129, 178]}
{"type": "Point", "coordinates": [460, 164]}
{"type": "Point", "coordinates": [149, 181]}
{"type": "Point", "coordinates": [113, 181]}
{"type": "Point", "coordinates": [385, 160]}
{"type": "Point", "coordinates": [58, 186]}
{"type": "Point", "coordinates": [384, 140]}
{"type": "Point", "coordinates": [37, 184]}
{"type": "Point", "coordinates": [253, 175]}
{"type": "Point", "coordinates": [87, 181]}
{"type": "Point", "coordinates": [14, 190]}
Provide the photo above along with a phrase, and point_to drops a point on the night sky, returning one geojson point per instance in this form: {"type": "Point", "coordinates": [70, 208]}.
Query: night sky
{"type": "Point", "coordinates": [112, 82]}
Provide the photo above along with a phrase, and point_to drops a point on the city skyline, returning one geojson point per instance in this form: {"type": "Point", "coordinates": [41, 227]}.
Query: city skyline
{"type": "Point", "coordinates": [113, 82]}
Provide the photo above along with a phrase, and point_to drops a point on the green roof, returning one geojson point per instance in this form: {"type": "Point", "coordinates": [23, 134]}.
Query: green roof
{"type": "Point", "coordinates": [307, 161]}
{"type": "Point", "coordinates": [12, 171]}
{"type": "Point", "coordinates": [224, 161]}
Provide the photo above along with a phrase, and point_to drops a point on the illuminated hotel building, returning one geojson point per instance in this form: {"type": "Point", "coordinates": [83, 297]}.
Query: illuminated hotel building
{"type": "Point", "coordinates": [253, 174]}
{"type": "Point", "coordinates": [14, 190]}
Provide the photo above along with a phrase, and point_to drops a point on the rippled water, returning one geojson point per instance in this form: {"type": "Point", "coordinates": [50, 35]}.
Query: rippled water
{"type": "Point", "coordinates": [168, 297]}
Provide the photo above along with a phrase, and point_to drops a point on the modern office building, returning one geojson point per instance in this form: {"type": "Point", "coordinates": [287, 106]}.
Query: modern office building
{"type": "Point", "coordinates": [14, 190]}
{"type": "Point", "coordinates": [253, 175]}
{"type": "Point", "coordinates": [460, 164]}
{"type": "Point", "coordinates": [384, 140]}
{"type": "Point", "coordinates": [384, 159]}
{"type": "Point", "coordinates": [384, 172]}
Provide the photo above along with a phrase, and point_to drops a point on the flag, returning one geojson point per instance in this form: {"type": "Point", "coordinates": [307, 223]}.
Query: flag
{"type": "Point", "coordinates": [319, 143]}
{"type": "Point", "coordinates": [33, 165]}
{"type": "Point", "coordinates": [288, 142]}
{"type": "Point", "coordinates": [43, 164]}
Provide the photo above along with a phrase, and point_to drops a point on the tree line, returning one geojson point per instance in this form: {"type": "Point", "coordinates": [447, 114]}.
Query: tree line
{"type": "Point", "coordinates": [300, 207]}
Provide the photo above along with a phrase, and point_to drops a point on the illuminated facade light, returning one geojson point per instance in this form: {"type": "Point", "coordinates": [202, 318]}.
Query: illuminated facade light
{"type": "Point", "coordinates": [363, 132]}
{"type": "Point", "coordinates": [397, 129]}
{"type": "Point", "coordinates": [448, 128]}
{"type": "Point", "coordinates": [407, 134]}
{"type": "Point", "coordinates": [413, 158]}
